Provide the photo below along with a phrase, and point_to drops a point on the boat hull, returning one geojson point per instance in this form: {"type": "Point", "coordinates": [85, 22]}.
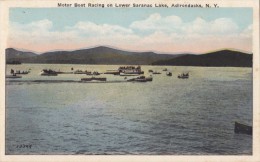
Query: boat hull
{"type": "Point", "coordinates": [149, 79]}
{"type": "Point", "coordinates": [112, 72]}
{"type": "Point", "coordinates": [92, 79]}
{"type": "Point", "coordinates": [183, 77]}
{"type": "Point", "coordinates": [45, 74]}
{"type": "Point", "coordinates": [13, 76]}
{"type": "Point", "coordinates": [22, 73]}
{"type": "Point", "coordinates": [124, 74]}
{"type": "Point", "coordinates": [243, 129]}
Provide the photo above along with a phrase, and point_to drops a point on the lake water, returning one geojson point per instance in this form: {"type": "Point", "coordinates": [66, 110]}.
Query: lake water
{"type": "Point", "coordinates": [168, 116]}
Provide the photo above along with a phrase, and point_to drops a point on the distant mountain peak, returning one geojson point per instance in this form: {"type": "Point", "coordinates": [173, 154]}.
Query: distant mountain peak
{"type": "Point", "coordinates": [227, 50]}
{"type": "Point", "coordinates": [221, 58]}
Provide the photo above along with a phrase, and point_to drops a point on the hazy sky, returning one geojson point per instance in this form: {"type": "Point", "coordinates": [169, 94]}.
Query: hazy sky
{"type": "Point", "coordinates": [169, 30]}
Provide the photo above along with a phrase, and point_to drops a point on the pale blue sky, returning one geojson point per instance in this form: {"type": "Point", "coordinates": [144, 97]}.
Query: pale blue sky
{"type": "Point", "coordinates": [124, 17]}
{"type": "Point", "coordinates": [169, 30]}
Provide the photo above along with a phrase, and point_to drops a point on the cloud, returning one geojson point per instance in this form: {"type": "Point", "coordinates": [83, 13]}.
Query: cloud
{"type": "Point", "coordinates": [168, 34]}
{"type": "Point", "coordinates": [41, 25]}
{"type": "Point", "coordinates": [176, 24]}
{"type": "Point", "coordinates": [40, 35]}
{"type": "Point", "coordinates": [223, 26]}
{"type": "Point", "coordinates": [103, 29]}
{"type": "Point", "coordinates": [198, 35]}
{"type": "Point", "coordinates": [157, 22]}
{"type": "Point", "coordinates": [247, 32]}
{"type": "Point", "coordinates": [37, 34]}
{"type": "Point", "coordinates": [103, 34]}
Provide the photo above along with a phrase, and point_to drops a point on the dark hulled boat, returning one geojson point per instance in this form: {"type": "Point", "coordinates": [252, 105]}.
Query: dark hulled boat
{"type": "Point", "coordinates": [169, 74]}
{"type": "Point", "coordinates": [22, 72]}
{"type": "Point", "coordinates": [13, 76]}
{"type": "Point", "coordinates": [82, 72]}
{"type": "Point", "coordinates": [93, 78]}
{"type": "Point", "coordinates": [49, 72]}
{"type": "Point", "coordinates": [130, 70]}
{"type": "Point", "coordinates": [140, 79]}
{"type": "Point", "coordinates": [155, 72]}
{"type": "Point", "coordinates": [183, 76]}
{"type": "Point", "coordinates": [243, 129]}
{"type": "Point", "coordinates": [96, 73]}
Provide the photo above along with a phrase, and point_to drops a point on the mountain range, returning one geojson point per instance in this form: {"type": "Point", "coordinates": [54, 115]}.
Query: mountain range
{"type": "Point", "coordinates": [112, 56]}
{"type": "Point", "coordinates": [216, 59]}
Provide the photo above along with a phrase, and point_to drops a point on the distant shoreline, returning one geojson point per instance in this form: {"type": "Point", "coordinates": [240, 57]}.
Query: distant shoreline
{"type": "Point", "coordinates": [136, 65]}
{"type": "Point", "coordinates": [109, 56]}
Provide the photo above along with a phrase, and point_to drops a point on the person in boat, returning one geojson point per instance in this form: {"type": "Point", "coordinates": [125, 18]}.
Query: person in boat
{"type": "Point", "coordinates": [12, 72]}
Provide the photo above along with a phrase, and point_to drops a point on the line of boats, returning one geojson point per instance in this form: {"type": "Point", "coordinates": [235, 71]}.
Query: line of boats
{"type": "Point", "coordinates": [126, 71]}
{"type": "Point", "coordinates": [17, 73]}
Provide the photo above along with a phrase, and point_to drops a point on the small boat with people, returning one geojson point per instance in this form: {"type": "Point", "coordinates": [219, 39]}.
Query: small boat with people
{"type": "Point", "coordinates": [150, 71]}
{"type": "Point", "coordinates": [94, 78]}
{"type": "Point", "coordinates": [13, 75]}
{"type": "Point", "coordinates": [243, 129]}
{"type": "Point", "coordinates": [96, 73]}
{"type": "Point", "coordinates": [141, 79]}
{"type": "Point", "coordinates": [82, 72]}
{"type": "Point", "coordinates": [169, 74]}
{"type": "Point", "coordinates": [22, 72]}
{"type": "Point", "coordinates": [49, 72]}
{"type": "Point", "coordinates": [155, 72]}
{"type": "Point", "coordinates": [183, 76]}
{"type": "Point", "coordinates": [130, 70]}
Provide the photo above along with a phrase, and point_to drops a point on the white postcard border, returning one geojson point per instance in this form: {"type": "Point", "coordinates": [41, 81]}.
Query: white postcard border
{"type": "Point", "coordinates": [4, 7]}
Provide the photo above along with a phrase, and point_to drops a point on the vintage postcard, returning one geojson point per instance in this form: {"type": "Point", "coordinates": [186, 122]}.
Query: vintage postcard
{"type": "Point", "coordinates": [129, 80]}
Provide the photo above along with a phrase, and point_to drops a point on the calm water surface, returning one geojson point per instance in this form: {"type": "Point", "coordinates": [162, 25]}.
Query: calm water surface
{"type": "Point", "coordinates": [165, 116]}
